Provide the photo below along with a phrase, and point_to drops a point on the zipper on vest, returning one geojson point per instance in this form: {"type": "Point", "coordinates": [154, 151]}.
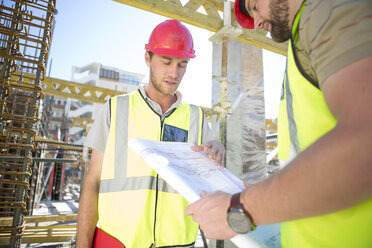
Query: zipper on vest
{"type": "Point", "coordinates": [156, 206]}
{"type": "Point", "coordinates": [157, 187]}
{"type": "Point", "coordinates": [161, 127]}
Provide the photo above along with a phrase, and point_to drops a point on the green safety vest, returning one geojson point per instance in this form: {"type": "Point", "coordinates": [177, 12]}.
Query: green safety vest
{"type": "Point", "coordinates": [136, 205]}
{"type": "Point", "coordinates": [303, 118]}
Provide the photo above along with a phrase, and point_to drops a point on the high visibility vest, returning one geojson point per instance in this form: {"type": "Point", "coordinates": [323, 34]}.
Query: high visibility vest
{"type": "Point", "coordinates": [303, 118]}
{"type": "Point", "coordinates": [136, 205]}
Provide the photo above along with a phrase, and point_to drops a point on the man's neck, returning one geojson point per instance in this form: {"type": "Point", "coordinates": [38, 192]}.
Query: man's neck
{"type": "Point", "coordinates": [165, 101]}
{"type": "Point", "coordinates": [294, 7]}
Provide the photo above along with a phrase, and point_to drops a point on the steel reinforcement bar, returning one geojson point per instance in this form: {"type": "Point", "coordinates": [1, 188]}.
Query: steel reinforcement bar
{"type": "Point", "coordinates": [25, 37]}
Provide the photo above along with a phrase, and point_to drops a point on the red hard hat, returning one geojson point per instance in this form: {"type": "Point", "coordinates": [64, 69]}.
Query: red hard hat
{"type": "Point", "coordinates": [171, 38]}
{"type": "Point", "coordinates": [242, 16]}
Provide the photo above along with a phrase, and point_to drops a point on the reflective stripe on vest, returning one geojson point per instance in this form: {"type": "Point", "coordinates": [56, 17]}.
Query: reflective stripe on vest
{"type": "Point", "coordinates": [130, 192]}
{"type": "Point", "coordinates": [304, 117]}
{"type": "Point", "coordinates": [116, 184]}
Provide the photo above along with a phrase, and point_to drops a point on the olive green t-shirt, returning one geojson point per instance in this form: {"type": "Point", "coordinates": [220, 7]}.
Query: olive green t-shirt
{"type": "Point", "coordinates": [332, 35]}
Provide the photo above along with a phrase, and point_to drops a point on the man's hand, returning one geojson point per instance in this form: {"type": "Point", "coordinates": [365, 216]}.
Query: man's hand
{"type": "Point", "coordinates": [214, 149]}
{"type": "Point", "coordinates": [211, 214]}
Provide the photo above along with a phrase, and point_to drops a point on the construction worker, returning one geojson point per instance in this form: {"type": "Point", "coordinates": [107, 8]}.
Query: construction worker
{"type": "Point", "coordinates": [128, 202]}
{"type": "Point", "coordinates": [323, 197]}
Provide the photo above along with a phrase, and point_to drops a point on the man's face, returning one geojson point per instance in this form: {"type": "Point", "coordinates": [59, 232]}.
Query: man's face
{"type": "Point", "coordinates": [271, 15]}
{"type": "Point", "coordinates": [166, 72]}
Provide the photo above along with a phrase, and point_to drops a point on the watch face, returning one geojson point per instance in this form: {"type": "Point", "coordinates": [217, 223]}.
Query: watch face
{"type": "Point", "coordinates": [238, 221]}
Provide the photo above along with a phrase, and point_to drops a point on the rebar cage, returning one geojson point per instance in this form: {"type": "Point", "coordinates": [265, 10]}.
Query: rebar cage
{"type": "Point", "coordinates": [25, 38]}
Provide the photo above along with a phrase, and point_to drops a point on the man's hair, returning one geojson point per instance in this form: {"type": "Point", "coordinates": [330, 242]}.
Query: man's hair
{"type": "Point", "coordinates": [243, 8]}
{"type": "Point", "coordinates": [150, 54]}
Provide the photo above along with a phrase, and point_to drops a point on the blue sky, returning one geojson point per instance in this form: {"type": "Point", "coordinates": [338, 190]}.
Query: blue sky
{"type": "Point", "coordinates": [114, 34]}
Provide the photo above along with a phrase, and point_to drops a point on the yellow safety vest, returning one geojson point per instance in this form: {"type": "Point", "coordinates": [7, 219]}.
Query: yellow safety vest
{"type": "Point", "coordinates": [136, 205]}
{"type": "Point", "coordinates": [303, 118]}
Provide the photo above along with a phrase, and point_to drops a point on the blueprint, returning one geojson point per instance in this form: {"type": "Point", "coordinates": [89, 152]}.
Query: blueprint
{"type": "Point", "coordinates": [190, 172]}
{"type": "Point", "coordinates": [186, 171]}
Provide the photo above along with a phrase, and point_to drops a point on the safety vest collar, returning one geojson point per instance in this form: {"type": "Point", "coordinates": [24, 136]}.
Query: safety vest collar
{"type": "Point", "coordinates": [149, 105]}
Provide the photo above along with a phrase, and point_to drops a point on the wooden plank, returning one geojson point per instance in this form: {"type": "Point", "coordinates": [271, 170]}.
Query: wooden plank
{"type": "Point", "coordinates": [45, 234]}
{"type": "Point", "coordinates": [80, 122]}
{"type": "Point", "coordinates": [218, 3]}
{"type": "Point", "coordinates": [66, 237]}
{"type": "Point", "coordinates": [68, 89]}
{"type": "Point", "coordinates": [78, 91]}
{"type": "Point", "coordinates": [211, 10]}
{"type": "Point", "coordinates": [183, 14]}
{"type": "Point", "coordinates": [189, 14]}
{"type": "Point", "coordinates": [193, 4]}
{"type": "Point", "coordinates": [40, 218]}
{"type": "Point", "coordinates": [175, 2]}
{"type": "Point", "coordinates": [48, 229]}
{"type": "Point", "coordinates": [271, 126]}
{"type": "Point", "coordinates": [271, 145]}
{"type": "Point", "coordinates": [259, 39]}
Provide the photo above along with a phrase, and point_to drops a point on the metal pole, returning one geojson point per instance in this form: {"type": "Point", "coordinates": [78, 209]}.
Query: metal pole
{"type": "Point", "coordinates": [223, 98]}
{"type": "Point", "coordinates": [223, 91]}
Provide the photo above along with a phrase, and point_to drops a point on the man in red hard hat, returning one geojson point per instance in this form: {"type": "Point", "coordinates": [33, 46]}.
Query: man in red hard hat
{"type": "Point", "coordinates": [124, 202]}
{"type": "Point", "coordinates": [323, 197]}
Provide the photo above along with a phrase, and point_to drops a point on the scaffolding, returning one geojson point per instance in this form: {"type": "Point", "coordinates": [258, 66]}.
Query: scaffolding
{"type": "Point", "coordinates": [25, 37]}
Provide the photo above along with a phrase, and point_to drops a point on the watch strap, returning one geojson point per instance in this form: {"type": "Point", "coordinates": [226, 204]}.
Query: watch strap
{"type": "Point", "coordinates": [235, 203]}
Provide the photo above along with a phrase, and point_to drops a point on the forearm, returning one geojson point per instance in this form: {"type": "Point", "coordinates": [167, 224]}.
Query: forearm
{"type": "Point", "coordinates": [88, 208]}
{"type": "Point", "coordinates": [332, 174]}
{"type": "Point", "coordinates": [88, 215]}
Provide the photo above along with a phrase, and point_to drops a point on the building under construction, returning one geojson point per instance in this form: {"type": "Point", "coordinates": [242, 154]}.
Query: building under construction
{"type": "Point", "coordinates": [44, 120]}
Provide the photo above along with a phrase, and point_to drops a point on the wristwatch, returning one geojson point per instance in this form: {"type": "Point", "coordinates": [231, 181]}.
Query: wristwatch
{"type": "Point", "coordinates": [238, 218]}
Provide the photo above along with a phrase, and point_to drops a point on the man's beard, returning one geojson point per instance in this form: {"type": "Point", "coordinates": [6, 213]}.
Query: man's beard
{"type": "Point", "coordinates": [157, 85]}
{"type": "Point", "coordinates": [280, 30]}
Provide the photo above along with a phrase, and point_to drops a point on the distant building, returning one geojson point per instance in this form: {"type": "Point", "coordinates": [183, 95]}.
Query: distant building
{"type": "Point", "coordinates": [107, 77]}
{"type": "Point", "coordinates": [58, 107]}
{"type": "Point", "coordinates": [52, 117]}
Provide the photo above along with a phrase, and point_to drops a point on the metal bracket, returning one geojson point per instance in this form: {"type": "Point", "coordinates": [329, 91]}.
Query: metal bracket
{"type": "Point", "coordinates": [227, 31]}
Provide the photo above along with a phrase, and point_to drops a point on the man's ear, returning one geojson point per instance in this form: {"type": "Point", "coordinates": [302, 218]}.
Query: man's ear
{"type": "Point", "coordinates": [147, 58]}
